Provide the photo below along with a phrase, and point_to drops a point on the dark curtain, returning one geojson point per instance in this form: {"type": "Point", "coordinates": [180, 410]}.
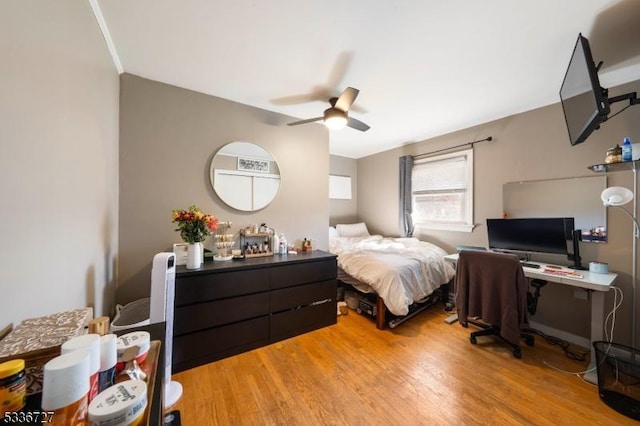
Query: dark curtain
{"type": "Point", "coordinates": [406, 224]}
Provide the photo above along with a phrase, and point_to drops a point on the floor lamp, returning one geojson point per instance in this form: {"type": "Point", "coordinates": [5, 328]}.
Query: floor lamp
{"type": "Point", "coordinates": [617, 196]}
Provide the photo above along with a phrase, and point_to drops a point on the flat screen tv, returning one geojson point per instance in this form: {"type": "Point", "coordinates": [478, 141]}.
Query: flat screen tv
{"type": "Point", "coordinates": [540, 235]}
{"type": "Point", "coordinates": [584, 102]}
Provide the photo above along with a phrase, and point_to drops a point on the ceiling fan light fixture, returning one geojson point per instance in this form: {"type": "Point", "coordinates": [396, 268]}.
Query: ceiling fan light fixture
{"type": "Point", "coordinates": [335, 119]}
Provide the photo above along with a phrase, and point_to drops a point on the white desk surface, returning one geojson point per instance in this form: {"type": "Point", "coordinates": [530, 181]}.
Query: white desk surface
{"type": "Point", "coordinates": [589, 280]}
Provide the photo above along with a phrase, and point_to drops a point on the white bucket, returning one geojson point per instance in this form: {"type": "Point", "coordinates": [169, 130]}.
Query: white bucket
{"type": "Point", "coordinates": [134, 314]}
{"type": "Point", "coordinates": [352, 299]}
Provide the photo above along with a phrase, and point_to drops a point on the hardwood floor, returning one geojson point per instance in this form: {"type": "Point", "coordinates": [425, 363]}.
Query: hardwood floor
{"type": "Point", "coordinates": [423, 372]}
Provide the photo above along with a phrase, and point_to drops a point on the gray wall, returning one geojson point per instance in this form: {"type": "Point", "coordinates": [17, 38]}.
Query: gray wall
{"type": "Point", "coordinates": [58, 168]}
{"type": "Point", "coordinates": [168, 137]}
{"type": "Point", "coordinates": [344, 211]}
{"type": "Point", "coordinates": [528, 146]}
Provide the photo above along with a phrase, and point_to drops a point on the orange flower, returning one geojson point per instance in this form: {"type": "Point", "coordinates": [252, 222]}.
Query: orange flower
{"type": "Point", "coordinates": [212, 222]}
{"type": "Point", "coordinates": [194, 226]}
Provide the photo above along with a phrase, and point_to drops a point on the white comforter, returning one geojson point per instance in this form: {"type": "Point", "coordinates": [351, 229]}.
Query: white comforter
{"type": "Point", "coordinates": [400, 270]}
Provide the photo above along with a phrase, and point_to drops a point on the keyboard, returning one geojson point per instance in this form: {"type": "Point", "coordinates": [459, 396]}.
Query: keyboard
{"type": "Point", "coordinates": [562, 273]}
{"type": "Point", "coordinates": [530, 265]}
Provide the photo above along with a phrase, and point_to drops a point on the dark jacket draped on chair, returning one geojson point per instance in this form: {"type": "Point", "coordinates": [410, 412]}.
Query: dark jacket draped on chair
{"type": "Point", "coordinates": [492, 287]}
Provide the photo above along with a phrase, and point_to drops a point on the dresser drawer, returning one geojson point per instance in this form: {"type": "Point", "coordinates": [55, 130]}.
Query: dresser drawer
{"type": "Point", "coordinates": [298, 321]}
{"type": "Point", "coordinates": [302, 273]}
{"type": "Point", "coordinates": [216, 343]}
{"type": "Point", "coordinates": [200, 288]}
{"type": "Point", "coordinates": [219, 312]}
{"type": "Point", "coordinates": [302, 295]}
{"type": "Point", "coordinates": [224, 308]}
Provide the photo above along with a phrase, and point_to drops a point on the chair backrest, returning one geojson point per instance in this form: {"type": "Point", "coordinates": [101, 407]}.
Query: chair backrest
{"type": "Point", "coordinates": [492, 286]}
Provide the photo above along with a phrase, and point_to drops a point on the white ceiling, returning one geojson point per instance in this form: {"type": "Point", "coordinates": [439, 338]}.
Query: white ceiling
{"type": "Point", "coordinates": [424, 67]}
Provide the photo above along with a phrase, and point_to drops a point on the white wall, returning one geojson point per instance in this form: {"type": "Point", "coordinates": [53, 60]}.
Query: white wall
{"type": "Point", "coordinates": [59, 161]}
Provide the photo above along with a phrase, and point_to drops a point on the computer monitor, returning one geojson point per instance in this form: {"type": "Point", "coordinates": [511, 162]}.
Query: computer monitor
{"type": "Point", "coordinates": [537, 235]}
{"type": "Point", "coordinates": [584, 102]}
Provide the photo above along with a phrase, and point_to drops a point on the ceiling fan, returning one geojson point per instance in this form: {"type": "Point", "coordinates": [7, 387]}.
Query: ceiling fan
{"type": "Point", "coordinates": [337, 116]}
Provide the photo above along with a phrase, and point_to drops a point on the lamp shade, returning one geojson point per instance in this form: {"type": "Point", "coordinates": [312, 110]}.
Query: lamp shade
{"type": "Point", "coordinates": [335, 119]}
{"type": "Point", "coordinates": [616, 196]}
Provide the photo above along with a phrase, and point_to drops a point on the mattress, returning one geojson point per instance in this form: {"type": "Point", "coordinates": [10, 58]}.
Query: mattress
{"type": "Point", "coordinates": [400, 270]}
{"type": "Point", "coordinates": [358, 285]}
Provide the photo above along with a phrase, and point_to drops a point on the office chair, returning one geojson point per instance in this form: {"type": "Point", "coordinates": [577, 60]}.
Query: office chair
{"type": "Point", "coordinates": [491, 287]}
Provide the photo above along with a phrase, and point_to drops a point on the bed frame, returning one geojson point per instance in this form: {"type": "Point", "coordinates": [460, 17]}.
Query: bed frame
{"type": "Point", "coordinates": [440, 295]}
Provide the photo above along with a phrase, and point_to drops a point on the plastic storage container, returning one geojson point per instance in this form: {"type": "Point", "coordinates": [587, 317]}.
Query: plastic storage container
{"type": "Point", "coordinates": [134, 314]}
{"type": "Point", "coordinates": [352, 299]}
{"type": "Point", "coordinates": [121, 404]}
{"type": "Point", "coordinates": [13, 386]}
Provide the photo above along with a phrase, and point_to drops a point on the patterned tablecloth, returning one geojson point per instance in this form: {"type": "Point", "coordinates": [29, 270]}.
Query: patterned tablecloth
{"type": "Point", "coordinates": [37, 340]}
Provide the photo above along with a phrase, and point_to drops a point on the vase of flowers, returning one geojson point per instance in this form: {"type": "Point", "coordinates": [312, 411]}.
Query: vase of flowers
{"type": "Point", "coordinates": [195, 253]}
{"type": "Point", "coordinates": [194, 227]}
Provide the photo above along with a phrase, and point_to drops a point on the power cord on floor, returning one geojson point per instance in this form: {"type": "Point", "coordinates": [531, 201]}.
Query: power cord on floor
{"type": "Point", "coordinates": [579, 374]}
{"type": "Point", "coordinates": [611, 318]}
{"type": "Point", "coordinates": [552, 340]}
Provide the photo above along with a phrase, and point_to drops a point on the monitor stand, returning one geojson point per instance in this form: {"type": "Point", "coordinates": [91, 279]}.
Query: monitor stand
{"type": "Point", "coordinates": [575, 257]}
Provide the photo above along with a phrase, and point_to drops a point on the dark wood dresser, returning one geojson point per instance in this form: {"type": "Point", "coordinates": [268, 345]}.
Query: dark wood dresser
{"type": "Point", "coordinates": [225, 308]}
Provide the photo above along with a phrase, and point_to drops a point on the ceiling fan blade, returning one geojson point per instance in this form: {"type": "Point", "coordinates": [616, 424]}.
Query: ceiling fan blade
{"type": "Point", "coordinates": [294, 99]}
{"type": "Point", "coordinates": [308, 120]}
{"type": "Point", "coordinates": [339, 70]}
{"type": "Point", "coordinates": [317, 94]}
{"type": "Point", "coordinates": [358, 109]}
{"type": "Point", "coordinates": [346, 98]}
{"type": "Point", "coordinates": [357, 124]}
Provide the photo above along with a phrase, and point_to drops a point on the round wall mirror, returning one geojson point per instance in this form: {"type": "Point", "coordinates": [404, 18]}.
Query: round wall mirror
{"type": "Point", "coordinates": [245, 176]}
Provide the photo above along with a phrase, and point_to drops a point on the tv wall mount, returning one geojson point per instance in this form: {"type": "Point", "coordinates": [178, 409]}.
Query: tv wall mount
{"type": "Point", "coordinates": [632, 97]}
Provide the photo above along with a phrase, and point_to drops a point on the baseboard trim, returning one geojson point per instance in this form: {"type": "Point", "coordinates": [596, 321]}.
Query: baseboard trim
{"type": "Point", "coordinates": [571, 338]}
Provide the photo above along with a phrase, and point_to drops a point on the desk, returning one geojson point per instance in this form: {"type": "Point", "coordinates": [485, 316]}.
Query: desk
{"type": "Point", "coordinates": [599, 284]}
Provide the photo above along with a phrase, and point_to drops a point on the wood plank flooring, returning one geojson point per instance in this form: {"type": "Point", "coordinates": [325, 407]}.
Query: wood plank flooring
{"type": "Point", "coordinates": [424, 372]}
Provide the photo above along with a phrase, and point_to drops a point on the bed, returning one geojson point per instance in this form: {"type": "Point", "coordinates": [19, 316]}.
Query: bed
{"type": "Point", "coordinates": [403, 273]}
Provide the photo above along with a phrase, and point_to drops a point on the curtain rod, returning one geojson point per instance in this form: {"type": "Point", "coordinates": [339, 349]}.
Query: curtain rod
{"type": "Point", "coordinates": [426, 154]}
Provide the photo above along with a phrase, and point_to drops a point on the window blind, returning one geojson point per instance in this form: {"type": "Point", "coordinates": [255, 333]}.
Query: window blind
{"type": "Point", "coordinates": [440, 175]}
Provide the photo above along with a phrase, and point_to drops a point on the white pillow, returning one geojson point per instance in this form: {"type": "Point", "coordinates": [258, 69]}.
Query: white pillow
{"type": "Point", "coordinates": [333, 232]}
{"type": "Point", "coordinates": [353, 230]}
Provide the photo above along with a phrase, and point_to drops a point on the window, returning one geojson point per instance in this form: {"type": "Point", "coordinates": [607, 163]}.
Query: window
{"type": "Point", "coordinates": [442, 192]}
{"type": "Point", "coordinates": [339, 187]}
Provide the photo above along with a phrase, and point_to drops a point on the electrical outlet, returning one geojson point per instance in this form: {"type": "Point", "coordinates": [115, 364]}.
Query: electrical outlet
{"type": "Point", "coordinates": [581, 294]}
